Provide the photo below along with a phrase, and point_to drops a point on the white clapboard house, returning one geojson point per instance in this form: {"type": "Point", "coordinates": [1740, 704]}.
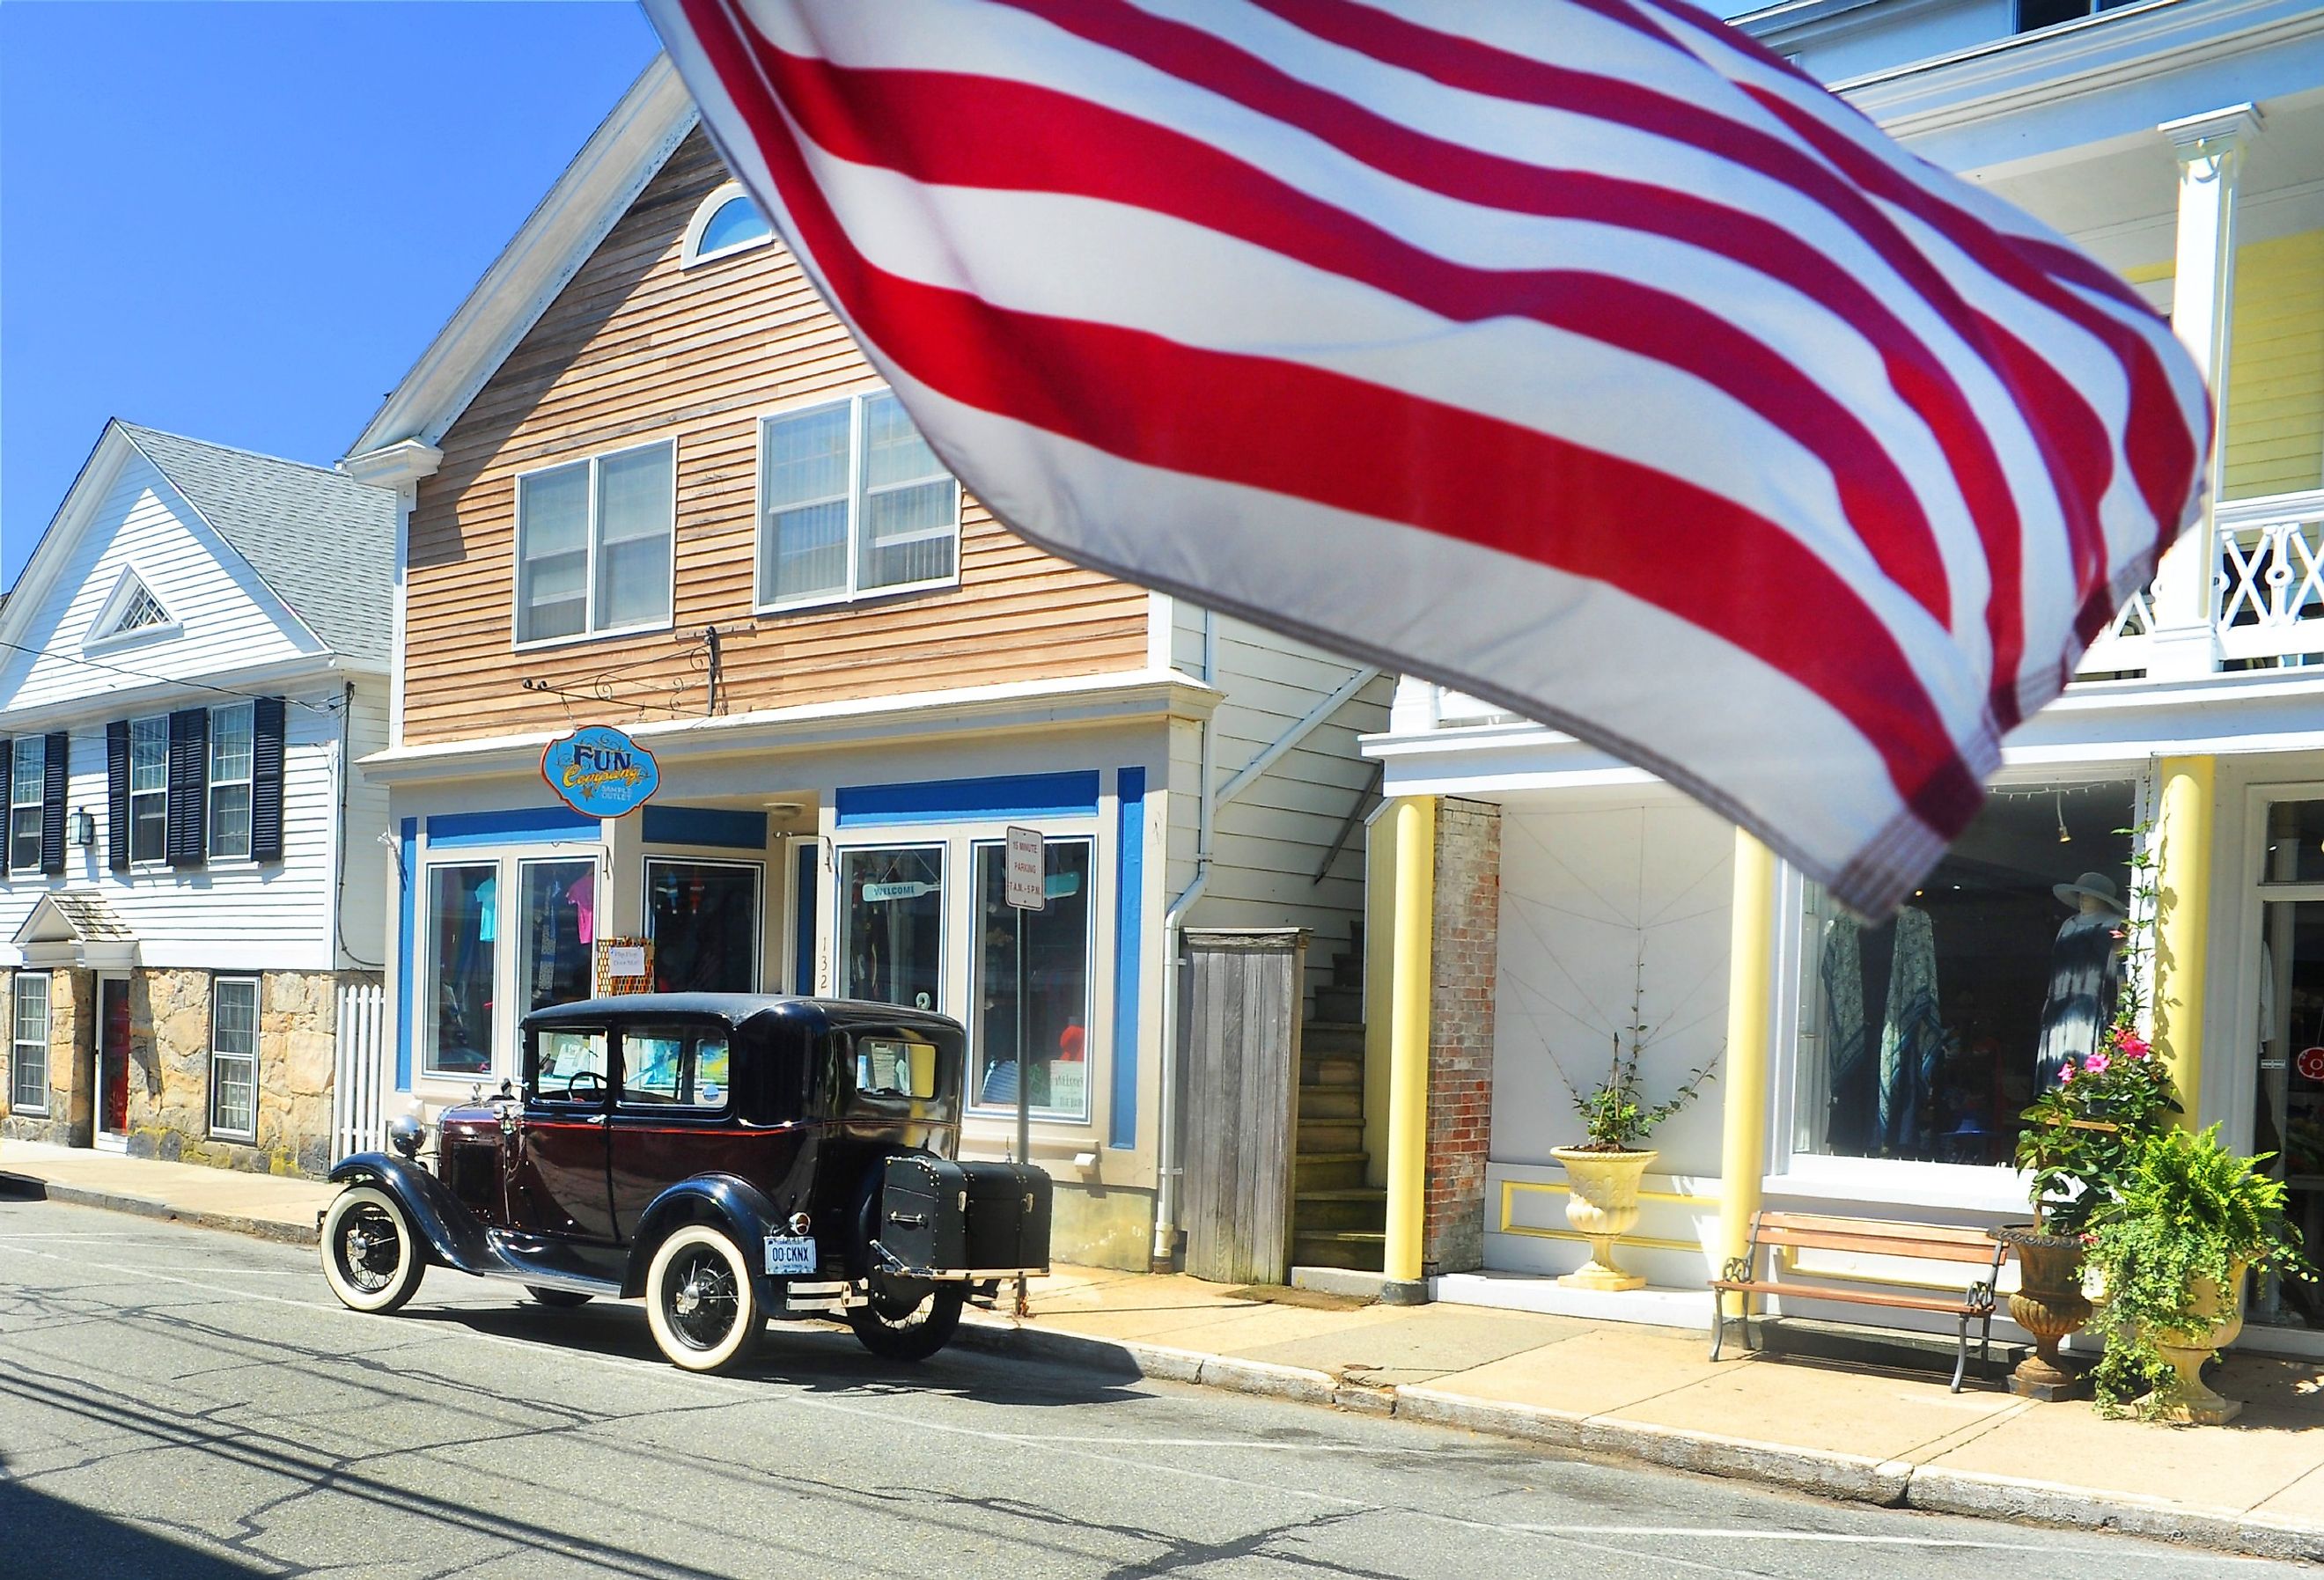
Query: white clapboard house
{"type": "Point", "coordinates": [192, 902]}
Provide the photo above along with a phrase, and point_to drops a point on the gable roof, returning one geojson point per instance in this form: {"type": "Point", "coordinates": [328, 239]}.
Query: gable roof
{"type": "Point", "coordinates": [321, 542]}
{"type": "Point", "coordinates": [621, 155]}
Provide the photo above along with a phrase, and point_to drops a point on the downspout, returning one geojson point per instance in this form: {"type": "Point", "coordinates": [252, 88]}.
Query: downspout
{"type": "Point", "coordinates": [1165, 1253]}
{"type": "Point", "coordinates": [1165, 1207]}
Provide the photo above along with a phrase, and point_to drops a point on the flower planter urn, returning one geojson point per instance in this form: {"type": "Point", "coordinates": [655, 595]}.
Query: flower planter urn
{"type": "Point", "coordinates": [2049, 1304]}
{"type": "Point", "coordinates": [2187, 1397]}
{"type": "Point", "coordinates": [1602, 1205]}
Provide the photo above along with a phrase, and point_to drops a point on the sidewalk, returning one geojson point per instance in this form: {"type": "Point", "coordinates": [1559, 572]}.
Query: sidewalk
{"type": "Point", "coordinates": [1620, 1389]}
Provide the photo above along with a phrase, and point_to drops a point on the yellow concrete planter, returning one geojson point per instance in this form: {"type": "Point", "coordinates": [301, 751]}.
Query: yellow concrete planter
{"type": "Point", "coordinates": [2187, 1397]}
{"type": "Point", "coordinates": [1602, 1205]}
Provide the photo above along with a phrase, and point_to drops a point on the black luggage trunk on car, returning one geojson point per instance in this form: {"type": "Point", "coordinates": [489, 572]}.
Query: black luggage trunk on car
{"type": "Point", "coordinates": [939, 1217]}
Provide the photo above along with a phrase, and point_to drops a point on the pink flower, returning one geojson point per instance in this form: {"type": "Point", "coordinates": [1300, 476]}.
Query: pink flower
{"type": "Point", "coordinates": [2130, 1045]}
{"type": "Point", "coordinates": [2065, 1074]}
{"type": "Point", "coordinates": [2096, 1065]}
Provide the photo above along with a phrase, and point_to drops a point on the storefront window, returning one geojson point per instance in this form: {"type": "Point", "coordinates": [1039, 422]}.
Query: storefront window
{"type": "Point", "coordinates": [556, 927]}
{"type": "Point", "coordinates": [455, 1012]}
{"type": "Point", "coordinates": [28, 1063]}
{"type": "Point", "coordinates": [704, 920]}
{"type": "Point", "coordinates": [1924, 1037]}
{"type": "Point", "coordinates": [1053, 1060]}
{"type": "Point", "coordinates": [891, 926]}
{"type": "Point", "coordinates": [2289, 1015]}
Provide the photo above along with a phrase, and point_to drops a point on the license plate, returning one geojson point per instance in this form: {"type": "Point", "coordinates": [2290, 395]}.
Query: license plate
{"type": "Point", "coordinates": [787, 1255]}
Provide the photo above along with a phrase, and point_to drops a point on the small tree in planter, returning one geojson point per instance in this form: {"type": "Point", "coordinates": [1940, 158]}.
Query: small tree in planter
{"type": "Point", "coordinates": [2080, 1143]}
{"type": "Point", "coordinates": [2190, 1220]}
{"type": "Point", "coordinates": [1601, 1201]}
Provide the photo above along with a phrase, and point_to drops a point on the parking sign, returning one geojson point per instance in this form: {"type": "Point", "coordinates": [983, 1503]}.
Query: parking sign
{"type": "Point", "coordinates": [1025, 867]}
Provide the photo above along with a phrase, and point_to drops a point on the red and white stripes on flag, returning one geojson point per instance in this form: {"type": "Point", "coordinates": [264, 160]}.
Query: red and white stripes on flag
{"type": "Point", "coordinates": [1576, 353]}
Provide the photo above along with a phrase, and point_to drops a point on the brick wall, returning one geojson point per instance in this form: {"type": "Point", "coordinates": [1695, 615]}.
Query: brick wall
{"type": "Point", "coordinates": [1464, 953]}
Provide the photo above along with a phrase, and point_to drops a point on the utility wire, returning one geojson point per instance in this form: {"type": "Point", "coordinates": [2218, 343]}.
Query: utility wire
{"type": "Point", "coordinates": [168, 679]}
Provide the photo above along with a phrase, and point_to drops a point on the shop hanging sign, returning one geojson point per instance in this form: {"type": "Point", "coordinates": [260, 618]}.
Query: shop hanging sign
{"type": "Point", "coordinates": [2311, 1063]}
{"type": "Point", "coordinates": [600, 772]}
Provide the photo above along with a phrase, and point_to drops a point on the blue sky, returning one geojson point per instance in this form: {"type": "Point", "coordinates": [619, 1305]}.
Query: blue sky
{"type": "Point", "coordinates": [244, 222]}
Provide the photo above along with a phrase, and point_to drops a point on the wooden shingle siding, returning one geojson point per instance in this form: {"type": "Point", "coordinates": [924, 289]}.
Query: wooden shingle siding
{"type": "Point", "coordinates": [633, 350]}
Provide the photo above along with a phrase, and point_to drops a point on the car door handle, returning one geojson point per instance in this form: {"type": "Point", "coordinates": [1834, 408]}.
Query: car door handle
{"type": "Point", "coordinates": [595, 1118]}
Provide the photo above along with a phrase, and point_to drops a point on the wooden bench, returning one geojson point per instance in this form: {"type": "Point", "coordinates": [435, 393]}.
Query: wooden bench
{"type": "Point", "coordinates": [1870, 1237]}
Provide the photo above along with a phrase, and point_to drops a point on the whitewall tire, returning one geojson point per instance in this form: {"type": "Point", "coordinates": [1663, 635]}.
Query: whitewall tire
{"type": "Point", "coordinates": [372, 1256]}
{"type": "Point", "coordinates": [700, 1300]}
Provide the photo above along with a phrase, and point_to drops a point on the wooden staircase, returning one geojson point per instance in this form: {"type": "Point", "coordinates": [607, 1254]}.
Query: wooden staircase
{"type": "Point", "coordinates": [1337, 1219]}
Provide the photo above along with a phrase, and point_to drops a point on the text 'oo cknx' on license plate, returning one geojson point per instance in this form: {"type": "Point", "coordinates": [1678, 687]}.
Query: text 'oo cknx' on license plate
{"type": "Point", "coordinates": [787, 1253]}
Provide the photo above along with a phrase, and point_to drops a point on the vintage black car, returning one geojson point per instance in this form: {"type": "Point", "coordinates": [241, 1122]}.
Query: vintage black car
{"type": "Point", "coordinates": [730, 1158]}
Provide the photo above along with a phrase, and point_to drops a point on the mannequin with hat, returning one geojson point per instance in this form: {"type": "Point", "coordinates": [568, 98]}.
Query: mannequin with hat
{"type": "Point", "coordinates": [2085, 973]}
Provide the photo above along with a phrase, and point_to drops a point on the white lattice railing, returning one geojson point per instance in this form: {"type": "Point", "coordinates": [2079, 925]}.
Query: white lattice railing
{"type": "Point", "coordinates": [2267, 588]}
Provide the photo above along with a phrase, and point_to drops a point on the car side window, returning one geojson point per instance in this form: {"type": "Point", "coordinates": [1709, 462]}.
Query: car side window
{"type": "Point", "coordinates": [568, 1065]}
{"type": "Point", "coordinates": [674, 1066]}
{"type": "Point", "coordinates": [895, 1066]}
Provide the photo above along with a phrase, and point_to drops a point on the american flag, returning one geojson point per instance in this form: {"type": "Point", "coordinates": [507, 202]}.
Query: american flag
{"type": "Point", "coordinates": [1580, 354]}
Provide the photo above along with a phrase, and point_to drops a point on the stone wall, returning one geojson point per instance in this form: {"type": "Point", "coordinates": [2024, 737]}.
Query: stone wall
{"type": "Point", "coordinates": [170, 1064]}
{"type": "Point", "coordinates": [1464, 954]}
{"type": "Point", "coordinates": [71, 1020]}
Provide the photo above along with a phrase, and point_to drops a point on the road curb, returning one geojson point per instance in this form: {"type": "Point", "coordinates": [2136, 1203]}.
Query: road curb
{"type": "Point", "coordinates": [147, 1207]}
{"type": "Point", "coordinates": [1828, 1474]}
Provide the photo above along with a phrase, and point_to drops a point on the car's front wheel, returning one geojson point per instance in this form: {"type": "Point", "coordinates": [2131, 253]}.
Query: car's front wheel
{"type": "Point", "coordinates": [700, 1302]}
{"type": "Point", "coordinates": [372, 1256]}
{"type": "Point", "coordinates": [906, 1320]}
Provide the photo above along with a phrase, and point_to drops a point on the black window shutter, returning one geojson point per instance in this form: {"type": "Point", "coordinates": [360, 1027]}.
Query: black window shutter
{"type": "Point", "coordinates": [56, 759]}
{"type": "Point", "coordinates": [189, 775]}
{"type": "Point", "coordinates": [116, 795]}
{"type": "Point", "coordinates": [266, 779]}
{"type": "Point", "coordinates": [8, 778]}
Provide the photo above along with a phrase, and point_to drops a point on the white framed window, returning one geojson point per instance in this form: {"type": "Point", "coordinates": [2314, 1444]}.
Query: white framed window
{"type": "Point", "coordinates": [130, 612]}
{"type": "Point", "coordinates": [1054, 1016]}
{"type": "Point", "coordinates": [229, 779]}
{"type": "Point", "coordinates": [1920, 1041]}
{"type": "Point", "coordinates": [594, 544]}
{"type": "Point", "coordinates": [702, 917]}
{"type": "Point", "coordinates": [853, 502]}
{"type": "Point", "coordinates": [234, 1057]}
{"type": "Point", "coordinates": [891, 924]}
{"type": "Point", "coordinates": [149, 789]}
{"type": "Point", "coordinates": [557, 922]}
{"type": "Point", "coordinates": [459, 983]}
{"type": "Point", "coordinates": [27, 796]}
{"type": "Point", "coordinates": [725, 222]}
{"type": "Point", "coordinates": [28, 1051]}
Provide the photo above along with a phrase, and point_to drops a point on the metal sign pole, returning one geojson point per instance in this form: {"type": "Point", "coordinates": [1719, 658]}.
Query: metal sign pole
{"type": "Point", "coordinates": [1027, 889]}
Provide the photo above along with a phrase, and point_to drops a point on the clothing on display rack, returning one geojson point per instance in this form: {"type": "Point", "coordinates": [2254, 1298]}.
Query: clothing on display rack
{"type": "Point", "coordinates": [1912, 1035]}
{"type": "Point", "coordinates": [2084, 976]}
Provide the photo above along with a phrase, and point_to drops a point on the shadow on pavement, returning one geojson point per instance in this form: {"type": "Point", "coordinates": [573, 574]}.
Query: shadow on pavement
{"type": "Point", "coordinates": [47, 1536]}
{"type": "Point", "coordinates": [810, 1356]}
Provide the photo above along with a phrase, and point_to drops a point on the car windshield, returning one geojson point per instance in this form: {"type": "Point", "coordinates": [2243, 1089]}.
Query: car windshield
{"type": "Point", "coordinates": [570, 1065]}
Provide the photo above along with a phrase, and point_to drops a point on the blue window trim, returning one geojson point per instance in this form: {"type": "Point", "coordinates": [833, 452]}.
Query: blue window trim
{"type": "Point", "coordinates": [515, 826]}
{"type": "Point", "coordinates": [1129, 950]}
{"type": "Point", "coordinates": [803, 918]}
{"type": "Point", "coordinates": [710, 826]}
{"type": "Point", "coordinates": [960, 801]}
{"type": "Point", "coordinates": [407, 846]}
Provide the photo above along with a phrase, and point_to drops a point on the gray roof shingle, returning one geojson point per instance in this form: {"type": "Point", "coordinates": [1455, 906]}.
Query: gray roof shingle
{"type": "Point", "coordinates": [323, 543]}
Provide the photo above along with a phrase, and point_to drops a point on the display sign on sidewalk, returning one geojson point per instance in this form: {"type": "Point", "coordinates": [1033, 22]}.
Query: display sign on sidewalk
{"type": "Point", "coordinates": [1027, 889]}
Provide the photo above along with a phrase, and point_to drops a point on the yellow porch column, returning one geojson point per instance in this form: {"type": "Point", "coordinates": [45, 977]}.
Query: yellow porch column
{"type": "Point", "coordinates": [1751, 968]}
{"type": "Point", "coordinates": [2182, 922]}
{"type": "Point", "coordinates": [1407, 1088]}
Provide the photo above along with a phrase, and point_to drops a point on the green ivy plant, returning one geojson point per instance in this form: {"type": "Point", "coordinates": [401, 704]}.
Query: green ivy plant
{"type": "Point", "coordinates": [2188, 1209]}
{"type": "Point", "coordinates": [1615, 1117]}
{"type": "Point", "coordinates": [2082, 1138]}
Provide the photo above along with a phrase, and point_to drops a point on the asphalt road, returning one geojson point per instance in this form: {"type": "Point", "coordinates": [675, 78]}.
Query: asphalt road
{"type": "Point", "coordinates": [178, 1403]}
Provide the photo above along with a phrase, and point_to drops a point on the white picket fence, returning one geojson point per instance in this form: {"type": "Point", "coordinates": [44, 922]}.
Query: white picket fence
{"type": "Point", "coordinates": [358, 1122]}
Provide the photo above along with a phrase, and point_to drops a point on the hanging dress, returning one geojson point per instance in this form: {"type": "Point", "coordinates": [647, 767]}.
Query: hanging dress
{"type": "Point", "coordinates": [2085, 974]}
{"type": "Point", "coordinates": [1912, 1035]}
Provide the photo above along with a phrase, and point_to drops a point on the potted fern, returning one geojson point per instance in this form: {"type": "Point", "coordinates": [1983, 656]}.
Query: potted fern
{"type": "Point", "coordinates": [1603, 1173]}
{"type": "Point", "coordinates": [2191, 1221]}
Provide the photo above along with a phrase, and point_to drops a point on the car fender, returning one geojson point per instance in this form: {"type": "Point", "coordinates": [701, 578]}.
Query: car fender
{"type": "Point", "coordinates": [740, 1207]}
{"type": "Point", "coordinates": [453, 1236]}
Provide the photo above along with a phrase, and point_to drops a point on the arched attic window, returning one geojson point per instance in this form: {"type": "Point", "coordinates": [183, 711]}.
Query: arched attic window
{"type": "Point", "coordinates": [727, 222]}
